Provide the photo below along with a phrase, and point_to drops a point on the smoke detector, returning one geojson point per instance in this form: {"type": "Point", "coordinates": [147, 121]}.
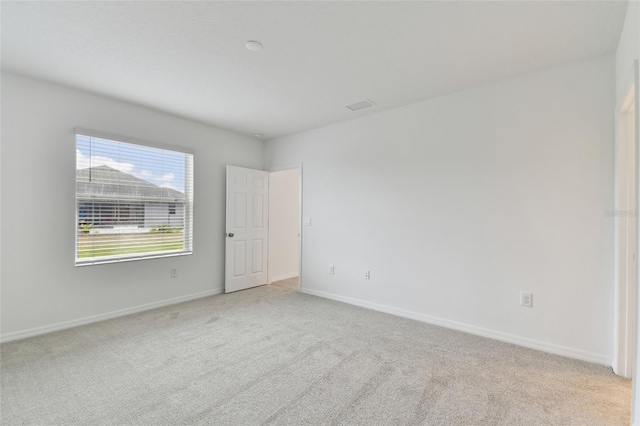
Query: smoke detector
{"type": "Point", "coordinates": [253, 45]}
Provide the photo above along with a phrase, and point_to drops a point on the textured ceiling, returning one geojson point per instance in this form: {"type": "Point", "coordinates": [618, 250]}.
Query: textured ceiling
{"type": "Point", "coordinates": [189, 59]}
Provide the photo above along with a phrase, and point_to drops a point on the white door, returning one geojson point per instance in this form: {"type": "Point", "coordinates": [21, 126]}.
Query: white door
{"type": "Point", "coordinates": [247, 228]}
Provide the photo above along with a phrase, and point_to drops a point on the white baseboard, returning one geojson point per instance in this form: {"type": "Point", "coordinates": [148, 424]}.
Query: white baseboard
{"type": "Point", "coordinates": [23, 334]}
{"type": "Point", "coordinates": [283, 277]}
{"type": "Point", "coordinates": [472, 329]}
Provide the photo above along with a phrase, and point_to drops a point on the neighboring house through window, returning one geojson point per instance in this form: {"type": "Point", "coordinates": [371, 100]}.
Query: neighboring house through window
{"type": "Point", "coordinates": [133, 201]}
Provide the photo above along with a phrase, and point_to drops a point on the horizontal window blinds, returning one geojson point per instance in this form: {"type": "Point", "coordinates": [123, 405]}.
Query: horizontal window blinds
{"type": "Point", "coordinates": [132, 201]}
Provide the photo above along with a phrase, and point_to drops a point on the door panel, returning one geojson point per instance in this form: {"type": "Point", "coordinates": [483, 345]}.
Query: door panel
{"type": "Point", "coordinates": [239, 254]}
{"type": "Point", "coordinates": [257, 256]}
{"type": "Point", "coordinates": [246, 228]}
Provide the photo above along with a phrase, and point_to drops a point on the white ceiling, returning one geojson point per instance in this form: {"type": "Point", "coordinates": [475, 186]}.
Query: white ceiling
{"type": "Point", "coordinates": [189, 58]}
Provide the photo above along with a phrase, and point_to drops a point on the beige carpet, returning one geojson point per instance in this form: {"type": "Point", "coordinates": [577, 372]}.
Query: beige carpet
{"type": "Point", "coordinates": [272, 356]}
{"type": "Point", "coordinates": [289, 284]}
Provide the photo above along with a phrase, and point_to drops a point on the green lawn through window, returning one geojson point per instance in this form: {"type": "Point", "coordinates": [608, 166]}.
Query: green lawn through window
{"type": "Point", "coordinates": [101, 245]}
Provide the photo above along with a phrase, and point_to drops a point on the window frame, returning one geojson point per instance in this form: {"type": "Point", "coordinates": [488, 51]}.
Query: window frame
{"type": "Point", "coordinates": [188, 204]}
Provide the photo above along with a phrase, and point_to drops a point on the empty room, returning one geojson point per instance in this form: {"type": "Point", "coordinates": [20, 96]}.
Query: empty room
{"type": "Point", "coordinates": [310, 213]}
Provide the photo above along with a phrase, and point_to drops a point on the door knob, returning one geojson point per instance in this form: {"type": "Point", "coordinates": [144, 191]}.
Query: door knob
{"type": "Point", "coordinates": [230, 234]}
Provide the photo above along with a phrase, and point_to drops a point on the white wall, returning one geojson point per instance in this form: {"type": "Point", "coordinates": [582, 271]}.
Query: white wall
{"type": "Point", "coordinates": [284, 224]}
{"type": "Point", "coordinates": [41, 288]}
{"type": "Point", "coordinates": [459, 203]}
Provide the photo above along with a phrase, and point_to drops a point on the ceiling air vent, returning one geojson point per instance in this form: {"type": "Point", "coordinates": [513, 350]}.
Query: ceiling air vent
{"type": "Point", "coordinates": [361, 105]}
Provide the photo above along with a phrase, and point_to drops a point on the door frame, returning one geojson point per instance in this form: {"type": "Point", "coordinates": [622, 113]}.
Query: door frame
{"type": "Point", "coordinates": [299, 167]}
{"type": "Point", "coordinates": [635, 398]}
{"type": "Point", "coordinates": [626, 215]}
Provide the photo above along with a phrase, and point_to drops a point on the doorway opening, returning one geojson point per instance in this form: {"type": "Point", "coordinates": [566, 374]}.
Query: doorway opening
{"type": "Point", "coordinates": [284, 228]}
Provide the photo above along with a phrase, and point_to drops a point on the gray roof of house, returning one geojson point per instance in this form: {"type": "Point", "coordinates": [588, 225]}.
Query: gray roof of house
{"type": "Point", "coordinates": [104, 182]}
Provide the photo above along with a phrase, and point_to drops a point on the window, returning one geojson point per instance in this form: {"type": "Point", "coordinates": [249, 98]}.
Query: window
{"type": "Point", "coordinates": [133, 200]}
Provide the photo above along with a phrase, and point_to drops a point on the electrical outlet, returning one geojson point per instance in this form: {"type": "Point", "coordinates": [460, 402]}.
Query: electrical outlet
{"type": "Point", "coordinates": [367, 274]}
{"type": "Point", "coordinates": [307, 221]}
{"type": "Point", "coordinates": [332, 269]}
{"type": "Point", "coordinates": [173, 272]}
{"type": "Point", "coordinates": [526, 299]}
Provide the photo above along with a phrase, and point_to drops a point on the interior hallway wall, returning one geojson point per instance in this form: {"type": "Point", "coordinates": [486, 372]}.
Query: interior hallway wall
{"type": "Point", "coordinates": [284, 224]}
